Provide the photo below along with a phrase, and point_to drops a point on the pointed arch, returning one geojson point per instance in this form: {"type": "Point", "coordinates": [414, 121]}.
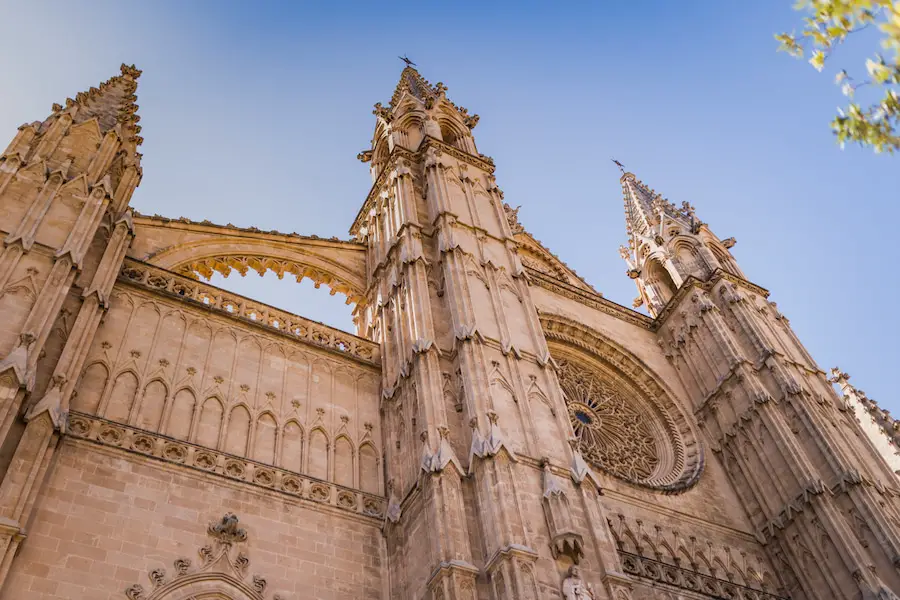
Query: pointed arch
{"type": "Point", "coordinates": [317, 454]}
{"type": "Point", "coordinates": [659, 281]}
{"type": "Point", "coordinates": [181, 414]}
{"type": "Point", "coordinates": [265, 439]}
{"type": "Point", "coordinates": [292, 447]}
{"type": "Point", "coordinates": [724, 257]}
{"type": "Point", "coordinates": [237, 432]}
{"type": "Point", "coordinates": [343, 461]}
{"type": "Point", "coordinates": [121, 398]}
{"type": "Point", "coordinates": [209, 423]}
{"type": "Point", "coordinates": [369, 469]}
{"type": "Point", "coordinates": [153, 402]}
{"type": "Point", "coordinates": [91, 387]}
{"type": "Point", "coordinates": [688, 260]}
{"type": "Point", "coordinates": [341, 265]}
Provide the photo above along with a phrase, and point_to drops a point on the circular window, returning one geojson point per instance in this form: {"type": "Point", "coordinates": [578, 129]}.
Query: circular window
{"type": "Point", "coordinates": [619, 430]}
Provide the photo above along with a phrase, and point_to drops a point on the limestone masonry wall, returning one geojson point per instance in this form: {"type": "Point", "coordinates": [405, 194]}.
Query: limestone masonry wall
{"type": "Point", "coordinates": [108, 518]}
{"type": "Point", "coordinates": [164, 365]}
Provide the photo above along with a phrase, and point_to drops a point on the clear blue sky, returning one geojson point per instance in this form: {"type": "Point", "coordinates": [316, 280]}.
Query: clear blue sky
{"type": "Point", "coordinates": [253, 114]}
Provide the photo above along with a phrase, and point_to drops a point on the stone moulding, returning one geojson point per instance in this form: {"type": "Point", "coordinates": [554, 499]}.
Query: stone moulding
{"type": "Point", "coordinates": [272, 479]}
{"type": "Point", "coordinates": [647, 569]}
{"type": "Point", "coordinates": [594, 301]}
{"type": "Point", "coordinates": [222, 571]}
{"type": "Point", "coordinates": [250, 311]}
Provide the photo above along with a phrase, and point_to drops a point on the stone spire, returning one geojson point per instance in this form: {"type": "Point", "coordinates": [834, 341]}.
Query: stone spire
{"type": "Point", "coordinates": [646, 210]}
{"type": "Point", "coordinates": [411, 81]}
{"type": "Point", "coordinates": [667, 244]}
{"type": "Point", "coordinates": [113, 103]}
{"type": "Point", "coordinates": [418, 110]}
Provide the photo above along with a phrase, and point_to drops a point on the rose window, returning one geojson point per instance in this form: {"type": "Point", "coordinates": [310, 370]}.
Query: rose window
{"type": "Point", "coordinates": [613, 429]}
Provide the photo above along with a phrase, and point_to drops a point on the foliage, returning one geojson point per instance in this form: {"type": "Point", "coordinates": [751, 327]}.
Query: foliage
{"type": "Point", "coordinates": [830, 24]}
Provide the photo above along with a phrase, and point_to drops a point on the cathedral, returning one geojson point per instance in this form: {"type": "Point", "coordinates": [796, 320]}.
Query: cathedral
{"type": "Point", "coordinates": [495, 430]}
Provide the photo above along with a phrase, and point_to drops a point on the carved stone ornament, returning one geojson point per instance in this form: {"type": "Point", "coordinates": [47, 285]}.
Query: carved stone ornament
{"type": "Point", "coordinates": [625, 420]}
{"type": "Point", "coordinates": [223, 570]}
{"type": "Point", "coordinates": [227, 530]}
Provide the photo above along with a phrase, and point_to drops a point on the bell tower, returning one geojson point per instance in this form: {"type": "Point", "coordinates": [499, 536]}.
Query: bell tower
{"type": "Point", "coordinates": [821, 498]}
{"type": "Point", "coordinates": [462, 353]}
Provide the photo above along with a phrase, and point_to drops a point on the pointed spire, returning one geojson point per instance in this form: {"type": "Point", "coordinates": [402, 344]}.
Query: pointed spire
{"type": "Point", "coordinates": [644, 207]}
{"type": "Point", "coordinates": [412, 82]}
{"type": "Point", "coordinates": [113, 102]}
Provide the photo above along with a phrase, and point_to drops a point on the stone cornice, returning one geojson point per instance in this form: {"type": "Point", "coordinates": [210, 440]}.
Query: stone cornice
{"type": "Point", "coordinates": [249, 232]}
{"type": "Point", "coordinates": [271, 479]}
{"type": "Point", "coordinates": [271, 319]}
{"type": "Point", "coordinates": [594, 301]}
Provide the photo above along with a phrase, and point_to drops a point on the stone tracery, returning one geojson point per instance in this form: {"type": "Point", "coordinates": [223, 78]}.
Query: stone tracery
{"type": "Point", "coordinates": [659, 449]}
{"type": "Point", "coordinates": [611, 432]}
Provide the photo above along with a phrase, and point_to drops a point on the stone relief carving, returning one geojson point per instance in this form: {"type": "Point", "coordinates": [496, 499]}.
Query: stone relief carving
{"type": "Point", "coordinates": [223, 568]}
{"type": "Point", "coordinates": [736, 569]}
{"type": "Point", "coordinates": [219, 463]}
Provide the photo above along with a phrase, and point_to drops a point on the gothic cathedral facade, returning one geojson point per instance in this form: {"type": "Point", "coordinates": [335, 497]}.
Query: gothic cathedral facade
{"type": "Point", "coordinates": [496, 430]}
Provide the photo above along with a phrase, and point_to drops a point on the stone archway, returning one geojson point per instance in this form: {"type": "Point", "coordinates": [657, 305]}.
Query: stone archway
{"type": "Point", "coordinates": [201, 249]}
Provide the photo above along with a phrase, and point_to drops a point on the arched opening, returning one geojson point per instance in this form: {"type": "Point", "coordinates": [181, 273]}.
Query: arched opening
{"type": "Point", "coordinates": [303, 298]}
{"type": "Point", "coordinates": [448, 135]}
{"type": "Point", "coordinates": [689, 262]}
{"type": "Point", "coordinates": [659, 282]}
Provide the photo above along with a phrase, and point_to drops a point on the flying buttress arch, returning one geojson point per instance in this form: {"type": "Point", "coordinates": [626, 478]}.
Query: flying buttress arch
{"type": "Point", "coordinates": [193, 249]}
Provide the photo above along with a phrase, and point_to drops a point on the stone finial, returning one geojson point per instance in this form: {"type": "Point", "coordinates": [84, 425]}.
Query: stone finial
{"type": "Point", "coordinates": [130, 71]}
{"type": "Point", "coordinates": [226, 530]}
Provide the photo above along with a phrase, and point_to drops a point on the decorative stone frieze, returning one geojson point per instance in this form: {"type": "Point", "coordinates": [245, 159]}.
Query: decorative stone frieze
{"type": "Point", "coordinates": [674, 577]}
{"type": "Point", "coordinates": [232, 305]}
{"type": "Point", "coordinates": [267, 477]}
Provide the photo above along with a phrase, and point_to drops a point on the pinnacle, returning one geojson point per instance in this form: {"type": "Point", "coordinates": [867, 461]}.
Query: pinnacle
{"type": "Point", "coordinates": [112, 103]}
{"type": "Point", "coordinates": [412, 81]}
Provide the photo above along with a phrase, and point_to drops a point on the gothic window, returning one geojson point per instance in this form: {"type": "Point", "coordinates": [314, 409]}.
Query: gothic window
{"type": "Point", "coordinates": [660, 282]}
{"type": "Point", "coordinates": [612, 432]}
{"type": "Point", "coordinates": [624, 420]}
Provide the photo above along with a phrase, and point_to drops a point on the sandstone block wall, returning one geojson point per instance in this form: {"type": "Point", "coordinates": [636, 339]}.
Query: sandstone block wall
{"type": "Point", "coordinates": [107, 518]}
{"type": "Point", "coordinates": [168, 366]}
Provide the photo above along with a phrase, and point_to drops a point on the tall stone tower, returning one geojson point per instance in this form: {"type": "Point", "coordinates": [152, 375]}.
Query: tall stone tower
{"type": "Point", "coordinates": [462, 350]}
{"type": "Point", "coordinates": [65, 185]}
{"type": "Point", "coordinates": [820, 497]}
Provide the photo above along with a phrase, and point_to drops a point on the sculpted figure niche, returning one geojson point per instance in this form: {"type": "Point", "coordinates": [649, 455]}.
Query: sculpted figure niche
{"type": "Point", "coordinates": [574, 588]}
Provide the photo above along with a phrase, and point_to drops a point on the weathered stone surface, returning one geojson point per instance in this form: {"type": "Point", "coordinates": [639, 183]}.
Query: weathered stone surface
{"type": "Point", "coordinates": [498, 430]}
